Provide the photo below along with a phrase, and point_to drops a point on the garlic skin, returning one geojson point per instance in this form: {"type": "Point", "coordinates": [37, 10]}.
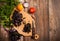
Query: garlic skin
{"type": "Point", "coordinates": [26, 5]}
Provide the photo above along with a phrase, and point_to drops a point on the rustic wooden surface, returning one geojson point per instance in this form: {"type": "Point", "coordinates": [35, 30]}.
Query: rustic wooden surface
{"type": "Point", "coordinates": [47, 20]}
{"type": "Point", "coordinates": [54, 20]}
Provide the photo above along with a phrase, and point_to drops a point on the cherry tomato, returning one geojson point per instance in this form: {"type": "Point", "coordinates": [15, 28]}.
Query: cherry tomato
{"type": "Point", "coordinates": [20, 7]}
{"type": "Point", "coordinates": [32, 10]}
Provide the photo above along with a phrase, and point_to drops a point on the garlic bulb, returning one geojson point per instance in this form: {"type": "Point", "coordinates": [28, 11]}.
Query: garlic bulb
{"type": "Point", "coordinates": [26, 5]}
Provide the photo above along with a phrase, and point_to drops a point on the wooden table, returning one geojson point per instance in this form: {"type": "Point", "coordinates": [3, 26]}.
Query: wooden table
{"type": "Point", "coordinates": [47, 20]}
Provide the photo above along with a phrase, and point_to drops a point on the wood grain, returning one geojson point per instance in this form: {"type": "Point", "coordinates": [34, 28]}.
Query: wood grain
{"type": "Point", "coordinates": [54, 20]}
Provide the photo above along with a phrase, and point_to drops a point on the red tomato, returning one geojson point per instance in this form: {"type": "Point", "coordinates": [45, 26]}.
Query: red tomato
{"type": "Point", "coordinates": [32, 10]}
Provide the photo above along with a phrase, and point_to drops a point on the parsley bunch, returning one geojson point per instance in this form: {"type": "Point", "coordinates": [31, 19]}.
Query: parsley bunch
{"type": "Point", "coordinates": [6, 7]}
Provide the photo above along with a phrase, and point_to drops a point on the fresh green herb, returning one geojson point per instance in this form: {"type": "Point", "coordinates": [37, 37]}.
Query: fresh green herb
{"type": "Point", "coordinates": [5, 11]}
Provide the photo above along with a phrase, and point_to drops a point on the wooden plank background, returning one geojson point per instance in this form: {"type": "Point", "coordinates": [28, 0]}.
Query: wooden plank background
{"type": "Point", "coordinates": [47, 20]}
{"type": "Point", "coordinates": [54, 20]}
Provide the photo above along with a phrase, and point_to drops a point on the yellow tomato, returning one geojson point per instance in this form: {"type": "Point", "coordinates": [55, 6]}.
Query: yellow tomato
{"type": "Point", "coordinates": [20, 7]}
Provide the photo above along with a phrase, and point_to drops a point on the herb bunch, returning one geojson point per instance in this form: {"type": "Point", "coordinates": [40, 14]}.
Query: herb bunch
{"type": "Point", "coordinates": [6, 7]}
